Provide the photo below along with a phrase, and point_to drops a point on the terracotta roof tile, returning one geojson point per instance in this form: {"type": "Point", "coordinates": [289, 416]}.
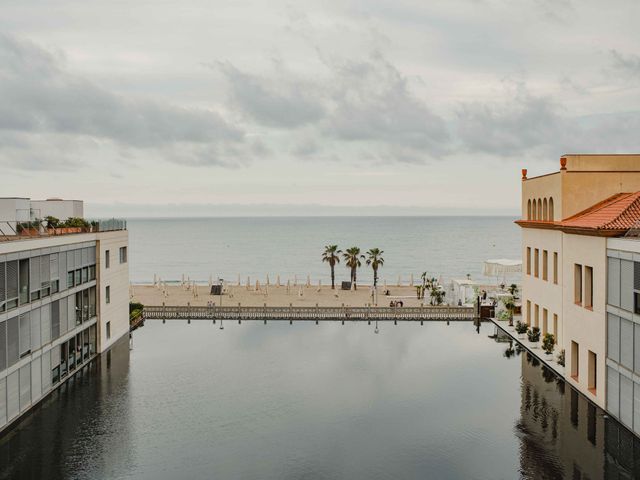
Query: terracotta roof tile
{"type": "Point", "coordinates": [618, 212]}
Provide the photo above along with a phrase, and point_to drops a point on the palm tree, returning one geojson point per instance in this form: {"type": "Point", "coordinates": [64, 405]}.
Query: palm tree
{"type": "Point", "coordinates": [376, 261]}
{"type": "Point", "coordinates": [331, 256]}
{"type": "Point", "coordinates": [352, 259]}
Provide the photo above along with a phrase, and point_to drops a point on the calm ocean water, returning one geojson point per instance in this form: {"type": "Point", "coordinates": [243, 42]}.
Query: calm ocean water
{"type": "Point", "coordinates": [225, 247]}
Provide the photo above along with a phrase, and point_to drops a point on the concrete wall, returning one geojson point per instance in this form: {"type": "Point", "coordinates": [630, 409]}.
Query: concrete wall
{"type": "Point", "coordinates": [544, 187]}
{"type": "Point", "coordinates": [546, 294]}
{"type": "Point", "coordinates": [585, 326]}
{"type": "Point", "coordinates": [13, 210]}
{"type": "Point", "coordinates": [61, 209]}
{"type": "Point", "coordinates": [116, 277]}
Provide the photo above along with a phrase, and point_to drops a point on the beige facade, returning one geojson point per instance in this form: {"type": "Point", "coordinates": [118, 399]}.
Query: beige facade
{"type": "Point", "coordinates": [565, 270]}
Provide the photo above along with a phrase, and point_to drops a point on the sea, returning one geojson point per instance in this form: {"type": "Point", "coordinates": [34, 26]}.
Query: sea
{"type": "Point", "coordinates": [290, 247]}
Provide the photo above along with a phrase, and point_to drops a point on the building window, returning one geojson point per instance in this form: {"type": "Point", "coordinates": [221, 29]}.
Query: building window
{"type": "Point", "coordinates": [92, 272]}
{"type": "Point", "coordinates": [123, 254]}
{"type": "Point", "coordinates": [555, 328]}
{"type": "Point", "coordinates": [555, 267]}
{"type": "Point", "coordinates": [528, 260]}
{"type": "Point", "coordinates": [536, 320]}
{"type": "Point", "coordinates": [544, 210]}
{"type": "Point", "coordinates": [551, 209]}
{"type": "Point", "coordinates": [70, 279]}
{"type": "Point", "coordinates": [529, 210]}
{"type": "Point", "coordinates": [528, 312]}
{"type": "Point", "coordinates": [107, 259]}
{"type": "Point", "coordinates": [545, 263]}
{"type": "Point", "coordinates": [536, 262]}
{"type": "Point", "coordinates": [108, 330]}
{"type": "Point", "coordinates": [539, 209]}
{"type": "Point", "coordinates": [592, 372]}
{"type": "Point", "coordinates": [78, 276]}
{"type": "Point", "coordinates": [575, 360]}
{"type": "Point", "coordinates": [545, 321]}
{"type": "Point", "coordinates": [577, 284]}
{"type": "Point", "coordinates": [588, 287]}
{"type": "Point", "coordinates": [107, 294]}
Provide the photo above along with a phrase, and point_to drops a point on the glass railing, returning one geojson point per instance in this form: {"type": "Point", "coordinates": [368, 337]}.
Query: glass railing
{"type": "Point", "coordinates": [14, 230]}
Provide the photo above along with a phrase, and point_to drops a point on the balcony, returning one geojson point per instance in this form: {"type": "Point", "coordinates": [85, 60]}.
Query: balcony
{"type": "Point", "coordinates": [13, 230]}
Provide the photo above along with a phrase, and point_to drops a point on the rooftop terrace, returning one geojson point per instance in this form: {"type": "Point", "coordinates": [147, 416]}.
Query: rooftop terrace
{"type": "Point", "coordinates": [17, 231]}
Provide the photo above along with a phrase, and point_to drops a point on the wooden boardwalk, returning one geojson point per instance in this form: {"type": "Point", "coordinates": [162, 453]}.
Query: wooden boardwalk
{"type": "Point", "coordinates": [291, 313]}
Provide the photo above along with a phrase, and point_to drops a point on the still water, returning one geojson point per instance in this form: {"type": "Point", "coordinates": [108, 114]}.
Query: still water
{"type": "Point", "coordinates": [227, 247]}
{"type": "Point", "coordinates": [318, 402]}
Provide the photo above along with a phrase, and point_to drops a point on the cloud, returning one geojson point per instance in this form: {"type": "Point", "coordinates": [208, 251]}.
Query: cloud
{"type": "Point", "coordinates": [627, 64]}
{"type": "Point", "coordinates": [41, 98]}
{"type": "Point", "coordinates": [526, 123]}
{"type": "Point", "coordinates": [284, 101]}
{"type": "Point", "coordinates": [366, 102]}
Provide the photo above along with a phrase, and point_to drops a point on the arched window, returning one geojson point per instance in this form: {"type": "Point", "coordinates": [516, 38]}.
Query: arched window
{"type": "Point", "coordinates": [544, 210]}
{"type": "Point", "coordinates": [551, 209]}
{"type": "Point", "coordinates": [539, 209]}
{"type": "Point", "coordinates": [534, 210]}
{"type": "Point", "coordinates": [529, 210]}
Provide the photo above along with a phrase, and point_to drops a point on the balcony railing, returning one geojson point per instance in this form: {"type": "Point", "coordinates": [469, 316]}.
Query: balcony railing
{"type": "Point", "coordinates": [14, 230]}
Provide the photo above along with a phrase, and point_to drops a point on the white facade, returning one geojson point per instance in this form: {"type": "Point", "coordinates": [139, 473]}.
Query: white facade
{"type": "Point", "coordinates": [55, 207]}
{"type": "Point", "coordinates": [53, 312]}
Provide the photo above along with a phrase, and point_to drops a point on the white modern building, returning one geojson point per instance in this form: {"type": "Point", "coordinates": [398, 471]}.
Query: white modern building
{"type": "Point", "coordinates": [573, 221]}
{"type": "Point", "coordinates": [63, 301]}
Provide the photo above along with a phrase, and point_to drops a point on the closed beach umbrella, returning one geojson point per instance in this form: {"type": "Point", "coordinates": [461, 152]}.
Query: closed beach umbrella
{"type": "Point", "coordinates": [238, 279]}
{"type": "Point", "coordinates": [295, 280]}
{"type": "Point", "coordinates": [399, 280]}
{"type": "Point", "coordinates": [353, 286]}
{"type": "Point", "coordinates": [288, 286]}
{"type": "Point", "coordinates": [257, 285]}
{"type": "Point", "coordinates": [248, 283]}
{"type": "Point", "coordinates": [385, 283]}
{"type": "Point", "coordinates": [267, 280]}
{"type": "Point", "coordinates": [278, 281]}
{"type": "Point", "coordinates": [412, 279]}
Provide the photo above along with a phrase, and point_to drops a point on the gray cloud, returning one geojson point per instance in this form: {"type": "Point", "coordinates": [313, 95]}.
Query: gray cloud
{"type": "Point", "coordinates": [282, 102]}
{"type": "Point", "coordinates": [529, 123]}
{"type": "Point", "coordinates": [41, 97]}
{"type": "Point", "coordinates": [627, 64]}
{"type": "Point", "coordinates": [366, 102]}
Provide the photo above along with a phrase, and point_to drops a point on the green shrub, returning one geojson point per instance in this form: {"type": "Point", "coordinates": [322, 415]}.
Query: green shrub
{"type": "Point", "coordinates": [135, 306]}
{"type": "Point", "coordinates": [534, 334]}
{"type": "Point", "coordinates": [548, 343]}
{"type": "Point", "coordinates": [73, 222]}
{"type": "Point", "coordinates": [521, 327]}
{"type": "Point", "coordinates": [52, 222]}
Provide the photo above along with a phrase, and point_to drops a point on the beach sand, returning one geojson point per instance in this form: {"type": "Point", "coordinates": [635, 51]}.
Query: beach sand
{"type": "Point", "coordinates": [274, 296]}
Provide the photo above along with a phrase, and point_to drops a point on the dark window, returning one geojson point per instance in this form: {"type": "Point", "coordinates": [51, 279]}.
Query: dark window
{"type": "Point", "coordinates": [636, 302]}
{"type": "Point", "coordinates": [107, 294]}
{"type": "Point", "coordinates": [70, 279]}
{"type": "Point", "coordinates": [636, 275]}
{"type": "Point", "coordinates": [107, 259]}
{"type": "Point", "coordinates": [85, 274]}
{"type": "Point", "coordinates": [108, 330]}
{"type": "Point", "coordinates": [92, 272]}
{"type": "Point", "coordinates": [123, 254]}
{"type": "Point", "coordinates": [78, 277]}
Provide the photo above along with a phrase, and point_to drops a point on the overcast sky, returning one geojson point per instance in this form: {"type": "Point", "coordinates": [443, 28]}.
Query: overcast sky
{"type": "Point", "coordinates": [418, 105]}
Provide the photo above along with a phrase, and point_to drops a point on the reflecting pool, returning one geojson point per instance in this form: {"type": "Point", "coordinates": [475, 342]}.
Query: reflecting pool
{"type": "Point", "coordinates": [321, 402]}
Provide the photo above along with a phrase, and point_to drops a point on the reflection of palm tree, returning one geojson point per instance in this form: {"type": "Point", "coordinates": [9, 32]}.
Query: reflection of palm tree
{"type": "Point", "coordinates": [352, 259]}
{"type": "Point", "coordinates": [375, 260]}
{"type": "Point", "coordinates": [331, 256]}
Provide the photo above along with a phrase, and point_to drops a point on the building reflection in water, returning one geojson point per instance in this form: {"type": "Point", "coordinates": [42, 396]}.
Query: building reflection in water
{"type": "Point", "coordinates": [562, 434]}
{"type": "Point", "coordinates": [79, 430]}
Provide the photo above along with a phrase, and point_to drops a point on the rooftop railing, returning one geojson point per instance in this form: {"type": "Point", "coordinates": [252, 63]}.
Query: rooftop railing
{"type": "Point", "coordinates": [14, 230]}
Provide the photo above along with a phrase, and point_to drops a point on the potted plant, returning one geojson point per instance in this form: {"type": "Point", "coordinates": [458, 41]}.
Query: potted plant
{"type": "Point", "coordinates": [548, 344]}
{"type": "Point", "coordinates": [510, 306]}
{"type": "Point", "coordinates": [521, 329]}
{"type": "Point", "coordinates": [534, 335]}
{"type": "Point", "coordinates": [560, 358]}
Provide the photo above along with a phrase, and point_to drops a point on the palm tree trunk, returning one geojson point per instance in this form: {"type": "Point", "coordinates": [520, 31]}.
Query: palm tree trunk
{"type": "Point", "coordinates": [353, 277]}
{"type": "Point", "coordinates": [333, 278]}
{"type": "Point", "coordinates": [375, 277]}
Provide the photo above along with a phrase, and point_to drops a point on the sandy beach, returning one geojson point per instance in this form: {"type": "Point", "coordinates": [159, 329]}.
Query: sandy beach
{"type": "Point", "coordinates": [274, 296]}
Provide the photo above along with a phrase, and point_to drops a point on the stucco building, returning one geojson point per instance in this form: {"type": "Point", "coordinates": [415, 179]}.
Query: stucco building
{"type": "Point", "coordinates": [569, 219]}
{"type": "Point", "coordinates": [63, 301]}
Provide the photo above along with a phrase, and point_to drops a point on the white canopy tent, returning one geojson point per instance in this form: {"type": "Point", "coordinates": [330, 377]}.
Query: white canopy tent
{"type": "Point", "coordinates": [502, 267]}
